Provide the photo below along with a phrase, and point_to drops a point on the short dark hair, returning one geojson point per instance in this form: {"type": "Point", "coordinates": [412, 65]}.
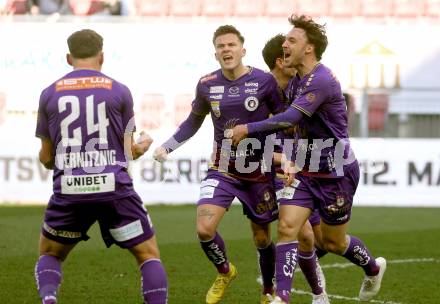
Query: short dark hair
{"type": "Point", "coordinates": [315, 32]}
{"type": "Point", "coordinates": [273, 49]}
{"type": "Point", "coordinates": [227, 29]}
{"type": "Point", "coordinates": [85, 43]}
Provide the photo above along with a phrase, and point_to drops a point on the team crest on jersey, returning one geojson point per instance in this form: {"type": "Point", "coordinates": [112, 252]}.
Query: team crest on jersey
{"type": "Point", "coordinates": [311, 97]}
{"type": "Point", "coordinates": [266, 196]}
{"type": "Point", "coordinates": [340, 201]}
{"type": "Point", "coordinates": [251, 103]}
{"type": "Point", "coordinates": [215, 106]}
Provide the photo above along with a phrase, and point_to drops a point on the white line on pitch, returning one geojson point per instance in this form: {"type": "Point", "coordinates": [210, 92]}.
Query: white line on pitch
{"type": "Point", "coordinates": [302, 292]}
{"type": "Point", "coordinates": [402, 261]}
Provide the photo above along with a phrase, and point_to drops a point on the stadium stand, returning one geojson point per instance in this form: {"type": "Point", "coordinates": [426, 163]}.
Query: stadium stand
{"type": "Point", "coordinates": [313, 9]}
{"type": "Point", "coordinates": [182, 106]}
{"type": "Point", "coordinates": [248, 8]}
{"type": "Point", "coordinates": [215, 8]}
{"type": "Point", "coordinates": [408, 8]}
{"type": "Point", "coordinates": [155, 8]}
{"type": "Point", "coordinates": [86, 7]}
{"type": "Point", "coordinates": [184, 8]}
{"type": "Point", "coordinates": [151, 109]}
{"type": "Point", "coordinates": [278, 8]}
{"type": "Point", "coordinates": [344, 8]}
{"type": "Point", "coordinates": [373, 9]}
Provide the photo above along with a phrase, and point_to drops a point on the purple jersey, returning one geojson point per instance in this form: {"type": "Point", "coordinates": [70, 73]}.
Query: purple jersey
{"type": "Point", "coordinates": [319, 97]}
{"type": "Point", "coordinates": [85, 115]}
{"type": "Point", "coordinates": [252, 97]}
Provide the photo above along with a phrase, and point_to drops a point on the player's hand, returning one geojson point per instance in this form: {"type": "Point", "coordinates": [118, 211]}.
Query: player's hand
{"type": "Point", "coordinates": [160, 154]}
{"type": "Point", "coordinates": [141, 146]}
{"type": "Point", "coordinates": [144, 141]}
{"type": "Point", "coordinates": [238, 133]}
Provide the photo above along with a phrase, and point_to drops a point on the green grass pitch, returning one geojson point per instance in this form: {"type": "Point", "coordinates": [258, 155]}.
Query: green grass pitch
{"type": "Point", "coordinates": [408, 237]}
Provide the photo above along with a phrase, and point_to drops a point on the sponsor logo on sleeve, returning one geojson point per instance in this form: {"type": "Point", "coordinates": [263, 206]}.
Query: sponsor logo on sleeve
{"type": "Point", "coordinates": [251, 84]}
{"type": "Point", "coordinates": [251, 103]}
{"type": "Point", "coordinates": [310, 97]}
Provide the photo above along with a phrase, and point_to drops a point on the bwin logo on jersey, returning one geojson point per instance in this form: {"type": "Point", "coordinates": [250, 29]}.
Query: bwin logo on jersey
{"type": "Point", "coordinates": [251, 103]}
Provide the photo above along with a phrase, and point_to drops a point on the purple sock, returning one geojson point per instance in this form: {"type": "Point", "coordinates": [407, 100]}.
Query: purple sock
{"type": "Point", "coordinates": [215, 250]}
{"type": "Point", "coordinates": [307, 262]}
{"type": "Point", "coordinates": [358, 254]}
{"type": "Point", "coordinates": [266, 260]}
{"type": "Point", "coordinates": [286, 257]}
{"type": "Point", "coordinates": [320, 252]}
{"type": "Point", "coordinates": [154, 282]}
{"type": "Point", "coordinates": [48, 276]}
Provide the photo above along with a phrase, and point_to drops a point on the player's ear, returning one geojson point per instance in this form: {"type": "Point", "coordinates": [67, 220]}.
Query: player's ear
{"type": "Point", "coordinates": [69, 59]}
{"type": "Point", "coordinates": [101, 58]}
{"type": "Point", "coordinates": [216, 56]}
{"type": "Point", "coordinates": [243, 52]}
{"type": "Point", "coordinates": [310, 47]}
{"type": "Point", "coordinates": [279, 63]}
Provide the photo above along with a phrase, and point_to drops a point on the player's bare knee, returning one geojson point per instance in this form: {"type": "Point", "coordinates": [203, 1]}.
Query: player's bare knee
{"type": "Point", "coordinates": [285, 229]}
{"type": "Point", "coordinates": [205, 232]}
{"type": "Point", "coordinates": [334, 246]}
{"type": "Point", "coordinates": [306, 242]}
{"type": "Point", "coordinates": [261, 240]}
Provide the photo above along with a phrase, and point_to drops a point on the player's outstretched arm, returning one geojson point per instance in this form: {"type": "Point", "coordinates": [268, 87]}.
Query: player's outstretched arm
{"type": "Point", "coordinates": [277, 122]}
{"type": "Point", "coordinates": [186, 130]}
{"type": "Point", "coordinates": [46, 154]}
{"type": "Point", "coordinates": [141, 145]}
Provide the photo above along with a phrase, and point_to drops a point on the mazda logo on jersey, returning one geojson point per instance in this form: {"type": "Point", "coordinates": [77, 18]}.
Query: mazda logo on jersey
{"type": "Point", "coordinates": [251, 103]}
{"type": "Point", "coordinates": [234, 90]}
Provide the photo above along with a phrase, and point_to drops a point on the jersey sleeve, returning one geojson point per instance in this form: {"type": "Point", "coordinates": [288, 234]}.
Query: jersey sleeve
{"type": "Point", "coordinates": [199, 105]}
{"type": "Point", "coordinates": [314, 94]}
{"type": "Point", "coordinates": [127, 113]}
{"type": "Point", "coordinates": [42, 129]}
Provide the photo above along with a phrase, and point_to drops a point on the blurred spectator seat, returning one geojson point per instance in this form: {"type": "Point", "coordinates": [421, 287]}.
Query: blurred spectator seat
{"type": "Point", "coordinates": [312, 8]}
{"type": "Point", "coordinates": [408, 8]}
{"type": "Point", "coordinates": [152, 7]}
{"type": "Point", "coordinates": [344, 8]}
{"type": "Point", "coordinates": [49, 7]}
{"type": "Point", "coordinates": [280, 8]}
{"type": "Point", "coordinates": [432, 9]}
{"type": "Point", "coordinates": [182, 107]}
{"type": "Point", "coordinates": [216, 8]}
{"type": "Point", "coordinates": [86, 7]}
{"type": "Point", "coordinates": [184, 7]}
{"type": "Point", "coordinates": [377, 111]}
{"type": "Point", "coordinates": [17, 7]}
{"type": "Point", "coordinates": [152, 107]}
{"type": "Point", "coordinates": [376, 8]}
{"type": "Point", "coordinates": [248, 8]}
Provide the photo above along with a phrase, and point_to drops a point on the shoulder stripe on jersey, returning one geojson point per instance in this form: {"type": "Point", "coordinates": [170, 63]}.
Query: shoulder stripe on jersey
{"type": "Point", "coordinates": [301, 109]}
